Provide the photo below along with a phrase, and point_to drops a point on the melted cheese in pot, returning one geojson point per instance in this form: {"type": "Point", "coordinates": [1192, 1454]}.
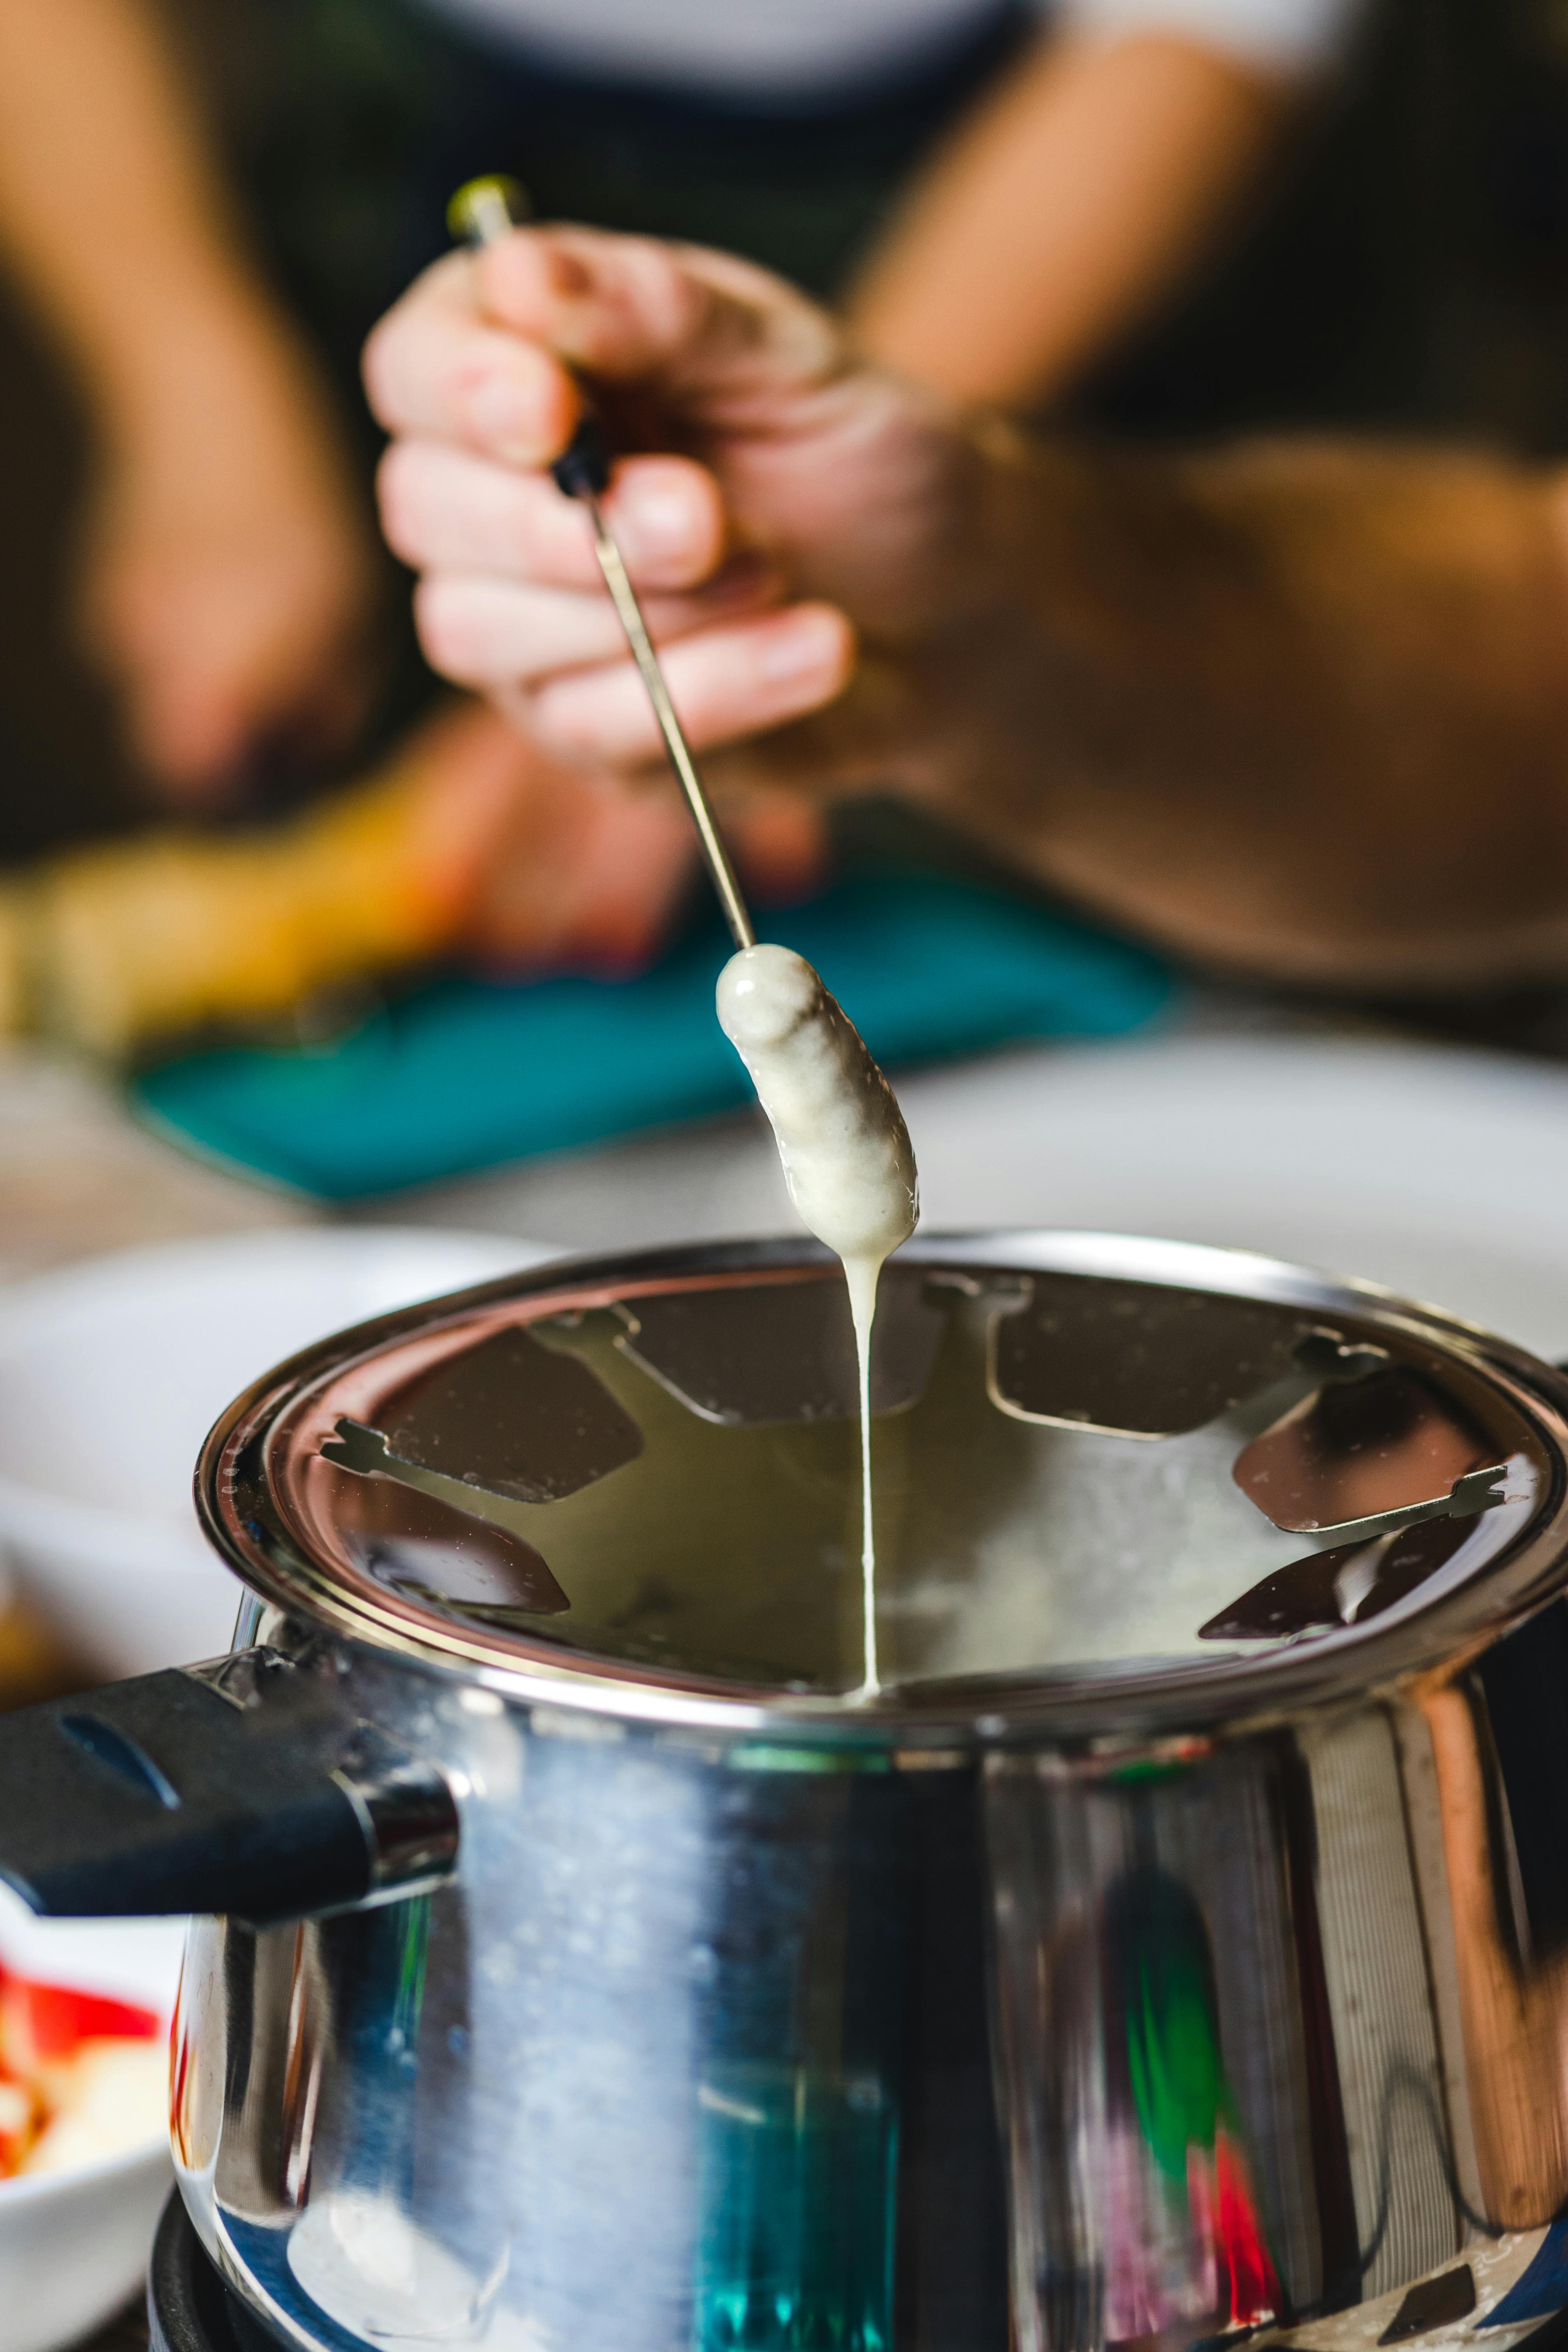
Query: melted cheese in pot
{"type": "Point", "coordinates": [846, 1154]}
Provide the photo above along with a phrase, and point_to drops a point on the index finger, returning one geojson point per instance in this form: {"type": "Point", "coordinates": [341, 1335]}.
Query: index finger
{"type": "Point", "coordinates": [710, 331]}
{"type": "Point", "coordinates": [437, 365]}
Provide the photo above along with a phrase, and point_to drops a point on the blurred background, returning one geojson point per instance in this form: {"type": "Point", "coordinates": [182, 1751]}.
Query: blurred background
{"type": "Point", "coordinates": [1336, 213]}
{"type": "Point", "coordinates": [318, 988]}
{"type": "Point", "coordinates": [321, 992]}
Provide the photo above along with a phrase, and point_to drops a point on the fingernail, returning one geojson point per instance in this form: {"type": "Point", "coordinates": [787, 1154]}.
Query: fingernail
{"type": "Point", "coordinates": [505, 415]}
{"type": "Point", "coordinates": [808, 644]}
{"type": "Point", "coordinates": [661, 524]}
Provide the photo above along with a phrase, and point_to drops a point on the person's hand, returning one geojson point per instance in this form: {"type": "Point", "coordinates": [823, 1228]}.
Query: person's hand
{"type": "Point", "coordinates": [550, 868]}
{"type": "Point", "coordinates": [228, 581]}
{"type": "Point", "coordinates": [1235, 700]}
{"type": "Point", "coordinates": [817, 546]}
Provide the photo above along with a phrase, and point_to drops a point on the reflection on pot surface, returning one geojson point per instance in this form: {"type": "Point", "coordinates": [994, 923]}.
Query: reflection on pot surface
{"type": "Point", "coordinates": [684, 1499]}
{"type": "Point", "coordinates": [1178, 1950]}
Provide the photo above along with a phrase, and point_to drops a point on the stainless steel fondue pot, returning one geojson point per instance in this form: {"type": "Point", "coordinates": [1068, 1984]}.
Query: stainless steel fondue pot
{"type": "Point", "coordinates": [1176, 1950]}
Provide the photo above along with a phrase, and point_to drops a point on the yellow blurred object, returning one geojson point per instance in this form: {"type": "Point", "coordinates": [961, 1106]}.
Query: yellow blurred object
{"type": "Point", "coordinates": [177, 932]}
{"type": "Point", "coordinates": [108, 2097]}
{"type": "Point", "coordinates": [470, 840]}
{"type": "Point", "coordinates": [14, 1005]}
{"type": "Point", "coordinates": [33, 1664]}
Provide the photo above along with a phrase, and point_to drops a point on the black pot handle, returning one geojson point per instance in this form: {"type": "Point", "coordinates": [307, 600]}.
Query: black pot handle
{"type": "Point", "coordinates": [243, 1786]}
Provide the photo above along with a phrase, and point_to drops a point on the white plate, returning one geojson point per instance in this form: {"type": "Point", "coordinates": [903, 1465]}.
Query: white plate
{"type": "Point", "coordinates": [74, 2245]}
{"type": "Point", "coordinates": [1441, 1173]}
{"type": "Point", "coordinates": [112, 1372]}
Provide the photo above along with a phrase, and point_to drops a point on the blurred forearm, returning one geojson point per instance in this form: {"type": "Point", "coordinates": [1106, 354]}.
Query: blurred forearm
{"type": "Point", "coordinates": [1298, 709]}
{"type": "Point", "coordinates": [111, 209]}
{"type": "Point", "coordinates": [225, 586]}
{"type": "Point", "coordinates": [1064, 211]}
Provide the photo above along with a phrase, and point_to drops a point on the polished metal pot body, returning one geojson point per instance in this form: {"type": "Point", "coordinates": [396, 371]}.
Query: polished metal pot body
{"type": "Point", "coordinates": [1056, 2016]}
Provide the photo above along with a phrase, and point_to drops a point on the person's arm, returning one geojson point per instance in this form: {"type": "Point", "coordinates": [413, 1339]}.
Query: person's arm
{"type": "Point", "coordinates": [112, 207]}
{"type": "Point", "coordinates": [227, 577]}
{"type": "Point", "coordinates": [1298, 711]}
{"type": "Point", "coordinates": [1065, 210]}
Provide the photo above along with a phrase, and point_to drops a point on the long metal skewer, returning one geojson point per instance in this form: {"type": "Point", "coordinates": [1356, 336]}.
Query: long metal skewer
{"type": "Point", "coordinates": [483, 212]}
{"type": "Point", "coordinates": [674, 742]}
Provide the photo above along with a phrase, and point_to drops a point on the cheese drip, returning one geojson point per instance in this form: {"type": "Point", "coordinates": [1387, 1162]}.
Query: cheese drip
{"type": "Point", "coordinates": [846, 1154]}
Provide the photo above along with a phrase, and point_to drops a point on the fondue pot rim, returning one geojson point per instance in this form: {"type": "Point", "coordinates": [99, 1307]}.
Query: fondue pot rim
{"type": "Point", "coordinates": [1088, 1714]}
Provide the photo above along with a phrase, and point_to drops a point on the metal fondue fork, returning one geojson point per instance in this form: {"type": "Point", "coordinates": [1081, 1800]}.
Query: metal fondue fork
{"type": "Point", "coordinates": [482, 212]}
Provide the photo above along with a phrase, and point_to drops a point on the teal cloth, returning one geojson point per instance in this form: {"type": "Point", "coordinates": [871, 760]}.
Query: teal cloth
{"type": "Point", "coordinates": [466, 1074]}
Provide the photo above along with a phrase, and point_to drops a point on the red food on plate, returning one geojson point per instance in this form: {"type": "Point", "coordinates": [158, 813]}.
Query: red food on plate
{"type": "Point", "coordinates": [80, 2076]}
